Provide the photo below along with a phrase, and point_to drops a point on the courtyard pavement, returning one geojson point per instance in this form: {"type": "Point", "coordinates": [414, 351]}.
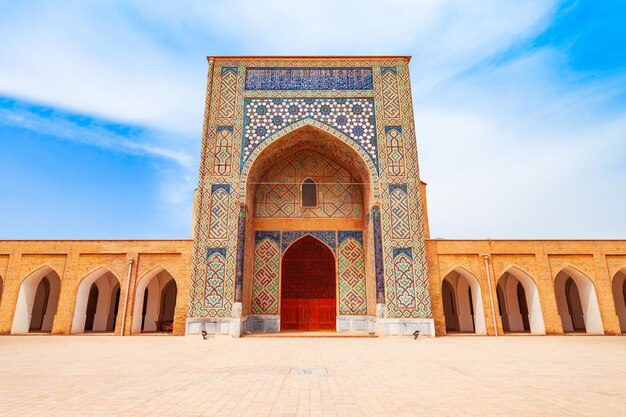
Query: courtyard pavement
{"type": "Point", "coordinates": [187, 376]}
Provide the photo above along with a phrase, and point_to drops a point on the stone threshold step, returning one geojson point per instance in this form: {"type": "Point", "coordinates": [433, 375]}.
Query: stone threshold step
{"type": "Point", "coordinates": [326, 334]}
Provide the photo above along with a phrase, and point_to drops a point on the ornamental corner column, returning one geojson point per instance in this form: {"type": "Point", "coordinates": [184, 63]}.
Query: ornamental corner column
{"type": "Point", "coordinates": [241, 242]}
{"type": "Point", "coordinates": [378, 263]}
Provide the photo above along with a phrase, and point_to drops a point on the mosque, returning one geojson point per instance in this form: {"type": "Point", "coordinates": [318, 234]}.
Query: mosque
{"type": "Point", "coordinates": [310, 215]}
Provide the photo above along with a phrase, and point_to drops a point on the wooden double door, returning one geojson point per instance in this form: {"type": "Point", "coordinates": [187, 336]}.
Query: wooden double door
{"type": "Point", "coordinates": [308, 314]}
{"type": "Point", "coordinates": [308, 287]}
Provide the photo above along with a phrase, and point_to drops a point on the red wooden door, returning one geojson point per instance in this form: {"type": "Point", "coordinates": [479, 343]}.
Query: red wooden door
{"type": "Point", "coordinates": [308, 300]}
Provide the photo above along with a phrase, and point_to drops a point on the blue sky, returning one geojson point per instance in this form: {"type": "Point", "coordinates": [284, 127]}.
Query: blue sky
{"type": "Point", "coordinates": [520, 108]}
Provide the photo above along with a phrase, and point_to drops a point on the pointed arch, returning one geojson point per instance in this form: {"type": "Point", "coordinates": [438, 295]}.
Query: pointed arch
{"type": "Point", "coordinates": [309, 193]}
{"type": "Point", "coordinates": [287, 245]}
{"type": "Point", "coordinates": [107, 284]}
{"type": "Point", "coordinates": [469, 313]}
{"type": "Point", "coordinates": [38, 311]}
{"type": "Point", "coordinates": [577, 301]}
{"type": "Point", "coordinates": [308, 286]}
{"type": "Point", "coordinates": [248, 161]}
{"type": "Point", "coordinates": [148, 299]}
{"type": "Point", "coordinates": [298, 136]}
{"type": "Point", "coordinates": [521, 311]}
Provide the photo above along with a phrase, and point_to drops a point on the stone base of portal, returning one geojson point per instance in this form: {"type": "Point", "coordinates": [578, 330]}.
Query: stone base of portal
{"type": "Point", "coordinates": [238, 326]}
{"type": "Point", "coordinates": [405, 327]}
{"type": "Point", "coordinates": [214, 326]}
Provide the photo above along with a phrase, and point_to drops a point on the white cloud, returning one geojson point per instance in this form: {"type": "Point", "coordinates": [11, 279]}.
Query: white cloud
{"type": "Point", "coordinates": [519, 152]}
{"type": "Point", "coordinates": [92, 60]}
{"type": "Point", "coordinates": [92, 134]}
{"type": "Point", "coordinates": [175, 169]}
{"type": "Point", "coordinates": [521, 149]}
{"type": "Point", "coordinates": [145, 63]}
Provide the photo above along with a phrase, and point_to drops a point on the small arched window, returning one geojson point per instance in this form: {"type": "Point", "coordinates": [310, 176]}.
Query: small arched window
{"type": "Point", "coordinates": [309, 193]}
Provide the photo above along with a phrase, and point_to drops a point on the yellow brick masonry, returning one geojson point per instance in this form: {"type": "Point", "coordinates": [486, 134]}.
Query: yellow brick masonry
{"type": "Point", "coordinates": [600, 260]}
{"type": "Point", "coordinates": [73, 260]}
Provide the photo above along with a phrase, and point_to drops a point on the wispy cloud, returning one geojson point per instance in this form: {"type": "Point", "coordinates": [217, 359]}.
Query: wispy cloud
{"type": "Point", "coordinates": [526, 150]}
{"type": "Point", "coordinates": [95, 59]}
{"type": "Point", "coordinates": [509, 136]}
{"type": "Point", "coordinates": [61, 126]}
{"type": "Point", "coordinates": [144, 62]}
{"type": "Point", "coordinates": [175, 168]}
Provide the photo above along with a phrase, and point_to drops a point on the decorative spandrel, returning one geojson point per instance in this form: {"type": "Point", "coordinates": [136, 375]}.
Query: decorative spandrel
{"type": "Point", "coordinates": [353, 117]}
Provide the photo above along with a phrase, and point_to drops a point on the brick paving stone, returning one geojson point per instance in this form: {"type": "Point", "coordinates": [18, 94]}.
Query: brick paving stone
{"type": "Point", "coordinates": [188, 376]}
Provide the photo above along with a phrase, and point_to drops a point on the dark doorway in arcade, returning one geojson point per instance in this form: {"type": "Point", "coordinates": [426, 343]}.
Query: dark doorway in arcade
{"type": "Point", "coordinates": [308, 287]}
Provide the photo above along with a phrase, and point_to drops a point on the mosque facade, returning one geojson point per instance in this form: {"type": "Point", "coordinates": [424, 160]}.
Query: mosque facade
{"type": "Point", "coordinates": [310, 215]}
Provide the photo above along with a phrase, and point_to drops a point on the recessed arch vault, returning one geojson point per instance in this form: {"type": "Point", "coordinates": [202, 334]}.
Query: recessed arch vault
{"type": "Point", "coordinates": [346, 189]}
{"type": "Point", "coordinates": [467, 313]}
{"type": "Point", "coordinates": [107, 301]}
{"type": "Point", "coordinates": [149, 299]}
{"type": "Point", "coordinates": [37, 301]}
{"type": "Point", "coordinates": [520, 309]}
{"type": "Point", "coordinates": [577, 302]}
{"type": "Point", "coordinates": [312, 134]}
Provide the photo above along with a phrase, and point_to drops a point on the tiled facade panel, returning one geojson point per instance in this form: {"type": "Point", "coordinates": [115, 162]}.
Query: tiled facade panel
{"type": "Point", "coordinates": [267, 256]}
{"type": "Point", "coordinates": [351, 273]}
{"type": "Point", "coordinates": [280, 191]}
{"type": "Point", "coordinates": [363, 103]}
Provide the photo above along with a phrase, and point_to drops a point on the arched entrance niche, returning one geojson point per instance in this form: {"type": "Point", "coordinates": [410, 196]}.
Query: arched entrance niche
{"type": "Point", "coordinates": [155, 301]}
{"type": "Point", "coordinates": [97, 303]}
{"type": "Point", "coordinates": [301, 180]}
{"type": "Point", "coordinates": [518, 300]}
{"type": "Point", "coordinates": [306, 138]}
{"type": "Point", "coordinates": [577, 302]}
{"type": "Point", "coordinates": [308, 286]}
{"type": "Point", "coordinates": [619, 296]}
{"type": "Point", "coordinates": [462, 303]}
{"type": "Point", "coordinates": [1, 288]}
{"type": "Point", "coordinates": [37, 302]}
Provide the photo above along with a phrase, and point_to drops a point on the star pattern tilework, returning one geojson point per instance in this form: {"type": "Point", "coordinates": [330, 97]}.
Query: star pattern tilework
{"type": "Point", "coordinates": [352, 116]}
{"type": "Point", "coordinates": [391, 106]}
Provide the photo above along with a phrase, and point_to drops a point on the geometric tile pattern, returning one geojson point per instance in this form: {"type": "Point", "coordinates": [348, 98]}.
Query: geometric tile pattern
{"type": "Point", "coordinates": [399, 202]}
{"type": "Point", "coordinates": [214, 283]}
{"type": "Point", "coordinates": [309, 79]}
{"type": "Point", "coordinates": [350, 268]}
{"type": "Point", "coordinates": [280, 191]}
{"type": "Point", "coordinates": [219, 210]}
{"type": "Point", "coordinates": [352, 116]}
{"type": "Point", "coordinates": [391, 98]}
{"type": "Point", "coordinates": [395, 151]}
{"type": "Point", "coordinates": [223, 154]}
{"type": "Point", "coordinates": [228, 92]}
{"type": "Point", "coordinates": [351, 273]}
{"type": "Point", "coordinates": [327, 237]}
{"type": "Point", "coordinates": [278, 136]}
{"type": "Point", "coordinates": [266, 278]}
{"type": "Point", "coordinates": [392, 106]}
{"type": "Point", "coordinates": [403, 277]}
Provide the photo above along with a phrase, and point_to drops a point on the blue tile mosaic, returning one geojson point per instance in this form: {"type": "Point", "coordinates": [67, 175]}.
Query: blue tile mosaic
{"type": "Point", "coordinates": [346, 234]}
{"type": "Point", "coordinates": [309, 79]}
{"type": "Point", "coordinates": [259, 235]}
{"type": "Point", "coordinates": [352, 116]}
{"type": "Point", "coordinates": [328, 237]}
